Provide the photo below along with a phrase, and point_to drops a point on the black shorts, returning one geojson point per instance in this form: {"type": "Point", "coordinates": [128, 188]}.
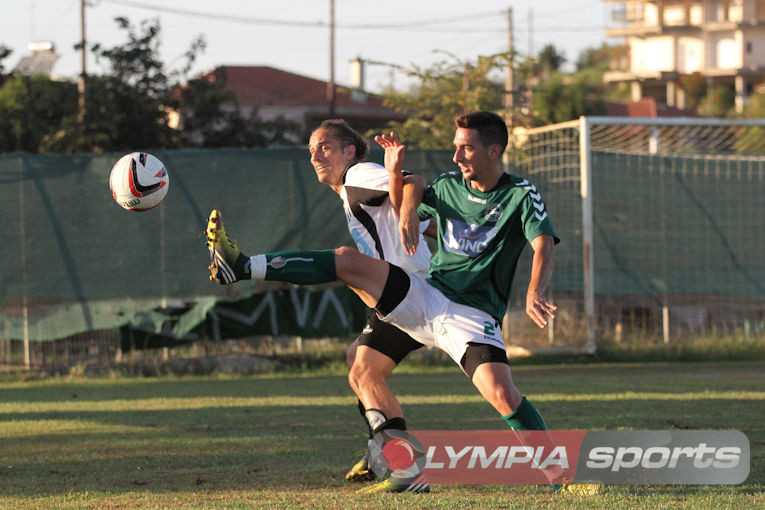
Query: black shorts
{"type": "Point", "coordinates": [387, 339]}
{"type": "Point", "coordinates": [477, 354]}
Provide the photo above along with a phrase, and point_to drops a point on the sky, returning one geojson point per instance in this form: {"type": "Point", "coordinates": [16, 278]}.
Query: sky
{"type": "Point", "coordinates": [294, 35]}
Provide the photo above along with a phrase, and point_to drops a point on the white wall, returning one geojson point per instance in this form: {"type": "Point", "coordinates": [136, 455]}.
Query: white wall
{"type": "Point", "coordinates": [690, 55]}
{"type": "Point", "coordinates": [674, 14]}
{"type": "Point", "coordinates": [655, 54]}
{"type": "Point", "coordinates": [651, 14]}
{"type": "Point", "coordinates": [728, 51]}
{"type": "Point", "coordinates": [736, 10]}
{"type": "Point", "coordinates": [697, 14]}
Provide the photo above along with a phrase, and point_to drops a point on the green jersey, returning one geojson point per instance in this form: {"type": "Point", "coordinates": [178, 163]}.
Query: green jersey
{"type": "Point", "coordinates": [481, 235]}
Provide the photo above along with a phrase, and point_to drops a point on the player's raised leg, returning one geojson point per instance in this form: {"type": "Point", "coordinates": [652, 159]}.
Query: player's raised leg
{"type": "Point", "coordinates": [364, 275]}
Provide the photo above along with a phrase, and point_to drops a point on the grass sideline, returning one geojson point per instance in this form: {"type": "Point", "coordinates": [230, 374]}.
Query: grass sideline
{"type": "Point", "coordinates": [285, 441]}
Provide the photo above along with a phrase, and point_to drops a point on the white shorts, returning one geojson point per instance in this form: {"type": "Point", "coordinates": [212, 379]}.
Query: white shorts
{"type": "Point", "coordinates": [431, 318]}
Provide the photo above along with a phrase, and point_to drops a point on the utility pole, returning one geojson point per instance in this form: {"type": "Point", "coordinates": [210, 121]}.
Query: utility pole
{"type": "Point", "coordinates": [509, 82]}
{"type": "Point", "coordinates": [83, 54]}
{"type": "Point", "coordinates": [507, 99]}
{"type": "Point", "coordinates": [331, 82]}
{"type": "Point", "coordinates": [531, 32]}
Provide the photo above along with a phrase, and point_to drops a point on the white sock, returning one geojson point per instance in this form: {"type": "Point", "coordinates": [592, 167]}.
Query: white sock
{"type": "Point", "coordinates": [258, 267]}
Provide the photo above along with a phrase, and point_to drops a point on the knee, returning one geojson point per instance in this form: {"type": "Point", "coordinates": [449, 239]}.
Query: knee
{"type": "Point", "coordinates": [357, 377]}
{"type": "Point", "coordinates": [361, 376]}
{"type": "Point", "coordinates": [507, 397]}
{"type": "Point", "coordinates": [346, 257]}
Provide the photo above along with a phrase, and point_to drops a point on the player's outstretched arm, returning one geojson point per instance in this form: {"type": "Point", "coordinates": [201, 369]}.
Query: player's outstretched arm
{"type": "Point", "coordinates": [408, 220]}
{"type": "Point", "coordinates": [405, 191]}
{"type": "Point", "coordinates": [394, 164]}
{"type": "Point", "coordinates": [537, 306]}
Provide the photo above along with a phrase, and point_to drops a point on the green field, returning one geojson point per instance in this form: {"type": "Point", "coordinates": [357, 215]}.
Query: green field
{"type": "Point", "coordinates": [282, 442]}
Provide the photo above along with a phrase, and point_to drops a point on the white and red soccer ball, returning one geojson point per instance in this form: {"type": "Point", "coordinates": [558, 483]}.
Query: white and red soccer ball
{"type": "Point", "coordinates": [138, 181]}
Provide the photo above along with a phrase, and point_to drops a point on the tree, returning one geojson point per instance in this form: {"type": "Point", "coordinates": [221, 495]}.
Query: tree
{"type": "Point", "coordinates": [752, 138]}
{"type": "Point", "coordinates": [5, 52]}
{"type": "Point", "coordinates": [695, 87]}
{"type": "Point", "coordinates": [31, 109]}
{"type": "Point", "coordinates": [603, 58]}
{"type": "Point", "coordinates": [550, 60]}
{"type": "Point", "coordinates": [718, 102]}
{"type": "Point", "coordinates": [442, 91]}
{"type": "Point", "coordinates": [567, 97]}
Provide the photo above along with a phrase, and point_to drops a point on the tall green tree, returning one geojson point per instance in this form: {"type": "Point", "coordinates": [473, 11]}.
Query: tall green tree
{"type": "Point", "coordinates": [128, 106]}
{"type": "Point", "coordinates": [31, 109]}
{"type": "Point", "coordinates": [5, 52]}
{"type": "Point", "coordinates": [550, 59]}
{"type": "Point", "coordinates": [125, 107]}
{"type": "Point", "coordinates": [567, 97]}
{"type": "Point", "coordinates": [443, 90]}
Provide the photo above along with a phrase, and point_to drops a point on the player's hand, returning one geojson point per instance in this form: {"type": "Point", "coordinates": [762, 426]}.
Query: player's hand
{"type": "Point", "coordinates": [409, 228]}
{"type": "Point", "coordinates": [539, 309]}
{"type": "Point", "coordinates": [394, 151]}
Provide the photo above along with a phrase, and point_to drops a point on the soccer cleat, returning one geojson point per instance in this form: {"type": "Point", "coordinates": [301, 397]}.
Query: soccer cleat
{"type": "Point", "coordinates": [581, 489]}
{"type": "Point", "coordinates": [360, 471]}
{"type": "Point", "coordinates": [227, 263]}
{"type": "Point", "coordinates": [399, 483]}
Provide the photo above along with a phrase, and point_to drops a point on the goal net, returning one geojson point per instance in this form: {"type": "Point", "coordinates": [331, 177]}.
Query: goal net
{"type": "Point", "coordinates": [661, 222]}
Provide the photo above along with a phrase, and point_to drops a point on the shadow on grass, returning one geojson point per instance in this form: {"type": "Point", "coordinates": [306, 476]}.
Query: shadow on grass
{"type": "Point", "coordinates": [567, 378]}
{"type": "Point", "coordinates": [309, 447]}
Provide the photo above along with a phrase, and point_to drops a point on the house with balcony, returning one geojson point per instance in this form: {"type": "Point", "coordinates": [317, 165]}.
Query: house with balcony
{"type": "Point", "coordinates": [722, 40]}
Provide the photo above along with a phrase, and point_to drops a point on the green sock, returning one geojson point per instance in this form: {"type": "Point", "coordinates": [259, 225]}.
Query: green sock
{"type": "Point", "coordinates": [526, 417]}
{"type": "Point", "coordinates": [296, 266]}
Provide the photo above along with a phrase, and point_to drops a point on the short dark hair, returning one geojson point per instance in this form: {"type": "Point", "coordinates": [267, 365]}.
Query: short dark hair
{"type": "Point", "coordinates": [490, 126]}
{"type": "Point", "coordinates": [347, 136]}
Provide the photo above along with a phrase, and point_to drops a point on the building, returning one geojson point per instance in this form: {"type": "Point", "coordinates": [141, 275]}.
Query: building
{"type": "Point", "coordinates": [275, 93]}
{"type": "Point", "coordinates": [39, 62]}
{"type": "Point", "coordinates": [646, 107]}
{"type": "Point", "coordinates": [722, 40]}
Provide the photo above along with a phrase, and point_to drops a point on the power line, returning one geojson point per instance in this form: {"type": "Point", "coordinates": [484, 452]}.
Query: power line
{"type": "Point", "coordinates": [218, 17]}
{"type": "Point", "coordinates": [305, 24]}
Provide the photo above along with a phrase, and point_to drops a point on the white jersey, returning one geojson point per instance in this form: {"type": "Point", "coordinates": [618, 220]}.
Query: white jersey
{"type": "Point", "coordinates": [373, 223]}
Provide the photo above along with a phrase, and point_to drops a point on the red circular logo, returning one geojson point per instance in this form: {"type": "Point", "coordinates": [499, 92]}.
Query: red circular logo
{"type": "Point", "coordinates": [399, 454]}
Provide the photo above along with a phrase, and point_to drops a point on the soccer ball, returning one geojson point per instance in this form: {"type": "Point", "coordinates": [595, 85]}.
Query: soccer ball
{"type": "Point", "coordinates": [138, 181]}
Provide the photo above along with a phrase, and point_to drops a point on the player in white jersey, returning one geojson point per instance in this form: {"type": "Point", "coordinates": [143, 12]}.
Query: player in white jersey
{"type": "Point", "coordinates": [337, 155]}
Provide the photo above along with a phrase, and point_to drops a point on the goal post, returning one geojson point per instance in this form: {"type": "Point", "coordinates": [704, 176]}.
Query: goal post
{"type": "Point", "coordinates": [588, 276]}
{"type": "Point", "coordinates": [661, 222]}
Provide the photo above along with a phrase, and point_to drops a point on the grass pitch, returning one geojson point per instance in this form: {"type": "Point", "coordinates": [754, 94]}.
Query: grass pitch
{"type": "Point", "coordinates": [286, 442]}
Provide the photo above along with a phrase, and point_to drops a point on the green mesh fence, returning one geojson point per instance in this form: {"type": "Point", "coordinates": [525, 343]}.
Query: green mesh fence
{"type": "Point", "coordinates": [77, 262]}
{"type": "Point", "coordinates": [677, 221]}
{"type": "Point", "coordinates": [674, 226]}
{"type": "Point", "coordinates": [674, 230]}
